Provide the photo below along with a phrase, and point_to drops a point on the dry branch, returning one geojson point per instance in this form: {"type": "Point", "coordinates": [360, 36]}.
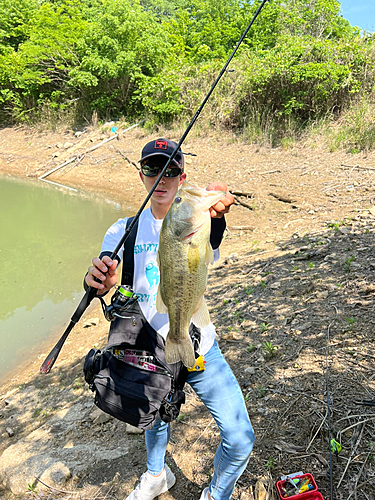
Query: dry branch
{"type": "Point", "coordinates": [128, 160]}
{"type": "Point", "coordinates": [320, 426]}
{"type": "Point", "coordinates": [241, 228]}
{"type": "Point", "coordinates": [270, 172]}
{"type": "Point", "coordinates": [241, 193]}
{"type": "Point", "coordinates": [357, 166]}
{"type": "Point", "coordinates": [351, 455]}
{"type": "Point", "coordinates": [240, 202]}
{"type": "Point", "coordinates": [284, 199]}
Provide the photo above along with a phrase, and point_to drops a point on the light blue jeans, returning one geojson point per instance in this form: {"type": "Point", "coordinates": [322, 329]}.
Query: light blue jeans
{"type": "Point", "coordinates": [218, 388]}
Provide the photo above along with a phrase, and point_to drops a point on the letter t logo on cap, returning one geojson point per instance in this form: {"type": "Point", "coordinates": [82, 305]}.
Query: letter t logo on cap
{"type": "Point", "coordinates": [160, 144]}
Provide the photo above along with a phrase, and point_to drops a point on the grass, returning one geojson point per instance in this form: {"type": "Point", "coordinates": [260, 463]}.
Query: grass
{"type": "Point", "coordinates": [355, 130]}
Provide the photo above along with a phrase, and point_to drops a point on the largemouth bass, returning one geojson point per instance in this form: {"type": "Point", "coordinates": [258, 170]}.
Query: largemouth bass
{"type": "Point", "coordinates": [183, 256]}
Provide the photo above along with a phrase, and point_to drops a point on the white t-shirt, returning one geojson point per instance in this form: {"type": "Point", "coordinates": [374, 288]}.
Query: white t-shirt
{"type": "Point", "coordinates": [146, 272]}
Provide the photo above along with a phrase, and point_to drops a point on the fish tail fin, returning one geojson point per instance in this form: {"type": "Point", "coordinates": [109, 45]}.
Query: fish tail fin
{"type": "Point", "coordinates": [179, 350]}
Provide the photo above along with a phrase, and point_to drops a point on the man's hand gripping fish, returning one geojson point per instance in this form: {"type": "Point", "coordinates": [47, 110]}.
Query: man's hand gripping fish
{"type": "Point", "coordinates": [184, 254]}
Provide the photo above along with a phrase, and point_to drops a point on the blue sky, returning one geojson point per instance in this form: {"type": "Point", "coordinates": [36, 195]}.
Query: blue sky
{"type": "Point", "coordinates": [359, 13]}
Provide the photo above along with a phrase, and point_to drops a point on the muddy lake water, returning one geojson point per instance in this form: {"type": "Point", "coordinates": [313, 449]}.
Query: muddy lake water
{"type": "Point", "coordinates": [48, 237]}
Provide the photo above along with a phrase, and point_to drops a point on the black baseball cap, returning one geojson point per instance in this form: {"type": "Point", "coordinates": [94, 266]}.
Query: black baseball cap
{"type": "Point", "coordinates": [163, 147]}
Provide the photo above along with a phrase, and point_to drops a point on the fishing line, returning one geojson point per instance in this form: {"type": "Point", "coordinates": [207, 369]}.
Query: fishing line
{"type": "Point", "coordinates": [329, 417]}
{"type": "Point", "coordinates": [91, 292]}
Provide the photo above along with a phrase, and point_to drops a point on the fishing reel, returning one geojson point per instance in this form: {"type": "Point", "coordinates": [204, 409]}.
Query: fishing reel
{"type": "Point", "coordinates": [121, 300]}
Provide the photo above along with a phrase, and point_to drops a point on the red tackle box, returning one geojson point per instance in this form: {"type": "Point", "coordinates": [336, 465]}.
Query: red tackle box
{"type": "Point", "coordinates": [312, 494]}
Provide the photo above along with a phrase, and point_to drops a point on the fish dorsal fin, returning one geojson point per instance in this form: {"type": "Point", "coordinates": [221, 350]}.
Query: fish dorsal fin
{"type": "Point", "coordinates": [201, 317]}
{"type": "Point", "coordinates": [160, 306]}
{"type": "Point", "coordinates": [209, 254]}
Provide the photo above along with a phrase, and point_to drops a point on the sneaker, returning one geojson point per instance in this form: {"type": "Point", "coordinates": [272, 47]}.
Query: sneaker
{"type": "Point", "coordinates": [204, 495]}
{"type": "Point", "coordinates": [150, 487]}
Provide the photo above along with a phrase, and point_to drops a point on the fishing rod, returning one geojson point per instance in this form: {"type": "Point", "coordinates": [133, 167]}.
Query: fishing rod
{"type": "Point", "coordinates": [91, 292]}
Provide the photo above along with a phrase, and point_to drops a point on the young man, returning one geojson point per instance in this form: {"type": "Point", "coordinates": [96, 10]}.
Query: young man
{"type": "Point", "coordinates": [216, 386]}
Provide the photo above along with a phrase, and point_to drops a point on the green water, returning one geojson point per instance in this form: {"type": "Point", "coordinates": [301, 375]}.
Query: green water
{"type": "Point", "coordinates": [47, 240]}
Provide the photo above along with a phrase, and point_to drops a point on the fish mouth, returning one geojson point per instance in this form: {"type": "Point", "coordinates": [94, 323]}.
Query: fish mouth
{"type": "Point", "coordinates": [190, 235]}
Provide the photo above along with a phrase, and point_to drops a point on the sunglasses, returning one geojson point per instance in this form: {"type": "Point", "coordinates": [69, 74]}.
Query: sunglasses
{"type": "Point", "coordinates": [153, 170]}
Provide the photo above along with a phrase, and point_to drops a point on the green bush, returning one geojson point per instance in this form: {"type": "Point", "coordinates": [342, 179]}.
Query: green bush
{"type": "Point", "coordinates": [300, 64]}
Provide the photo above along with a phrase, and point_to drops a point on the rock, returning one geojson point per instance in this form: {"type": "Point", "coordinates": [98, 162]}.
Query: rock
{"type": "Point", "coordinates": [58, 473]}
{"type": "Point", "coordinates": [250, 370]}
{"type": "Point", "coordinates": [260, 492]}
{"type": "Point", "coordinates": [232, 258]}
{"type": "Point", "coordinates": [130, 429]}
{"type": "Point", "coordinates": [91, 322]}
{"type": "Point", "coordinates": [275, 285]}
{"type": "Point", "coordinates": [42, 453]}
{"type": "Point", "coordinates": [68, 145]}
{"type": "Point", "coordinates": [99, 417]}
{"type": "Point", "coordinates": [247, 495]}
{"type": "Point", "coordinates": [10, 431]}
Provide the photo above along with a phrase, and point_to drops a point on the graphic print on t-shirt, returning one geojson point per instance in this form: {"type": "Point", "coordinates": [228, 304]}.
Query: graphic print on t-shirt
{"type": "Point", "coordinates": [152, 274]}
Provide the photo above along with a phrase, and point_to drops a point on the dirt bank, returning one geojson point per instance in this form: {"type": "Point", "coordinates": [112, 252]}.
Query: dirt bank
{"type": "Point", "coordinates": [296, 273]}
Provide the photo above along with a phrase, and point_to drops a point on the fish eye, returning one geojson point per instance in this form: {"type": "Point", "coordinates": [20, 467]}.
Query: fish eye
{"type": "Point", "coordinates": [177, 199]}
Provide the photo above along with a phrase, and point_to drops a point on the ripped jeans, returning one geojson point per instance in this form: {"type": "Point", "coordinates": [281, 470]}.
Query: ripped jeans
{"type": "Point", "coordinates": [219, 390]}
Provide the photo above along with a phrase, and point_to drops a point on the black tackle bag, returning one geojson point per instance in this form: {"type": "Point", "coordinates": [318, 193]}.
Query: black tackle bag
{"type": "Point", "coordinates": [131, 379]}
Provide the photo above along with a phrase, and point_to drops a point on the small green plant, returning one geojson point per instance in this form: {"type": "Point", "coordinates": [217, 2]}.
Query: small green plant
{"type": "Point", "coordinates": [260, 391]}
{"type": "Point", "coordinates": [311, 265]}
{"type": "Point", "coordinates": [269, 349]}
{"type": "Point", "coordinates": [348, 261]}
{"type": "Point", "coordinates": [251, 348]}
{"type": "Point", "coordinates": [36, 412]}
{"type": "Point", "coordinates": [263, 284]}
{"type": "Point", "coordinates": [350, 323]}
{"type": "Point", "coordinates": [32, 488]}
{"type": "Point", "coordinates": [249, 290]}
{"type": "Point", "coordinates": [270, 464]}
{"type": "Point", "coordinates": [226, 301]}
{"type": "Point", "coordinates": [336, 225]}
{"type": "Point", "coordinates": [264, 327]}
